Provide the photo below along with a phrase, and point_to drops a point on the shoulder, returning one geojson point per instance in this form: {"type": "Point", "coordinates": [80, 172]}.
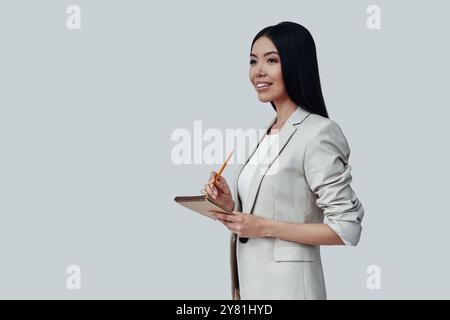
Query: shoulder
{"type": "Point", "coordinates": [315, 125]}
{"type": "Point", "coordinates": [324, 132]}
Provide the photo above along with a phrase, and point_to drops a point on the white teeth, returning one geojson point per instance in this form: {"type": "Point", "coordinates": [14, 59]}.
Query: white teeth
{"type": "Point", "coordinates": [262, 85]}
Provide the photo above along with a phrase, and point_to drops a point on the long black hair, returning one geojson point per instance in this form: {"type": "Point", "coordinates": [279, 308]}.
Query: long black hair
{"type": "Point", "coordinates": [299, 66]}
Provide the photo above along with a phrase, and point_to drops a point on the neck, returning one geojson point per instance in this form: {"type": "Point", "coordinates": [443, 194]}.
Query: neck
{"type": "Point", "coordinates": [284, 110]}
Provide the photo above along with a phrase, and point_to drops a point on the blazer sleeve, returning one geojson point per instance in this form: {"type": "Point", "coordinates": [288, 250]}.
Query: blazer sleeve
{"type": "Point", "coordinates": [327, 172]}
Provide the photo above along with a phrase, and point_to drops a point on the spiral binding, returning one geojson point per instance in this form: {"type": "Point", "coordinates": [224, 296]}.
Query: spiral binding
{"type": "Point", "coordinates": [191, 198]}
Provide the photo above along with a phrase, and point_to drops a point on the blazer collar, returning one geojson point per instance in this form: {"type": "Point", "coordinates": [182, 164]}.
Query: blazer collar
{"type": "Point", "coordinates": [284, 136]}
{"type": "Point", "coordinates": [297, 116]}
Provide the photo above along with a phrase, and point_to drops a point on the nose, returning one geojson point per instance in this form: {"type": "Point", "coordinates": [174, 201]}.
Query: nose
{"type": "Point", "coordinates": [260, 72]}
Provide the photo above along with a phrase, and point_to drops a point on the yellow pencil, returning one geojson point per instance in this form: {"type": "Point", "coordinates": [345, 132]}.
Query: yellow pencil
{"type": "Point", "coordinates": [223, 167]}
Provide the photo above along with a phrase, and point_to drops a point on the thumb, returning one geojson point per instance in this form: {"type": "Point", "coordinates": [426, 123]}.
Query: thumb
{"type": "Point", "coordinates": [221, 183]}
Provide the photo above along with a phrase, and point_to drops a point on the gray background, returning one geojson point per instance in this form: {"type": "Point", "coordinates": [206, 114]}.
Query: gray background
{"type": "Point", "coordinates": [86, 116]}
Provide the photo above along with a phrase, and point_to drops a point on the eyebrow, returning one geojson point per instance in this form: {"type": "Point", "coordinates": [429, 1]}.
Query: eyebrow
{"type": "Point", "coordinates": [265, 54]}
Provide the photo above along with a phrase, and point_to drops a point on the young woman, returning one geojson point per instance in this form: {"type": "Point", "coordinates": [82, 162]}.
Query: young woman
{"type": "Point", "coordinates": [281, 219]}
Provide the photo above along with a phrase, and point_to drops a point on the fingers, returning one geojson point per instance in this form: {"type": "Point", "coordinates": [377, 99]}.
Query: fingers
{"type": "Point", "coordinates": [221, 184]}
{"type": "Point", "coordinates": [226, 223]}
{"type": "Point", "coordinates": [206, 190]}
{"type": "Point", "coordinates": [211, 184]}
{"type": "Point", "coordinates": [212, 191]}
{"type": "Point", "coordinates": [212, 177]}
{"type": "Point", "coordinates": [220, 180]}
{"type": "Point", "coordinates": [227, 217]}
{"type": "Point", "coordinates": [227, 220]}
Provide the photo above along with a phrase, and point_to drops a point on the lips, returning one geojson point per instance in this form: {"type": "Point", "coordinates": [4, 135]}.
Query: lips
{"type": "Point", "coordinates": [262, 85]}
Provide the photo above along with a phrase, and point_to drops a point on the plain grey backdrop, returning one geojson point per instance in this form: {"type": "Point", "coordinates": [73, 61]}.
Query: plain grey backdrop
{"type": "Point", "coordinates": [86, 116]}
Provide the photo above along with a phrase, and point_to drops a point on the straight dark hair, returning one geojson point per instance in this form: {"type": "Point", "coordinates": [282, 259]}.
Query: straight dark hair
{"type": "Point", "coordinates": [297, 52]}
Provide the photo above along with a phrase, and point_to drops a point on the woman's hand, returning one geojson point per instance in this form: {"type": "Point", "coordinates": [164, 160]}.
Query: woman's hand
{"type": "Point", "coordinates": [243, 224]}
{"type": "Point", "coordinates": [219, 191]}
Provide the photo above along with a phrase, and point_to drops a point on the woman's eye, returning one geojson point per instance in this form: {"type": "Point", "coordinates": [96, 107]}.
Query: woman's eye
{"type": "Point", "coordinates": [270, 60]}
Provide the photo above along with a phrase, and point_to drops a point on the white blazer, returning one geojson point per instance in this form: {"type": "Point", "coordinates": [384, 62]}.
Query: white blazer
{"type": "Point", "coordinates": [311, 184]}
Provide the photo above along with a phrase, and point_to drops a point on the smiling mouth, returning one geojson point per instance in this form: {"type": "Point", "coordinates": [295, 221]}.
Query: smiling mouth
{"type": "Point", "coordinates": [263, 86]}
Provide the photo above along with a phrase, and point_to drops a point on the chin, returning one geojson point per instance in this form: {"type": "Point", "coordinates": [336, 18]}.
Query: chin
{"type": "Point", "coordinates": [264, 99]}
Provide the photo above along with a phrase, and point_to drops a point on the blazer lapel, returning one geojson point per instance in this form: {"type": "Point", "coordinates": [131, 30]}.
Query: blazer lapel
{"type": "Point", "coordinates": [285, 134]}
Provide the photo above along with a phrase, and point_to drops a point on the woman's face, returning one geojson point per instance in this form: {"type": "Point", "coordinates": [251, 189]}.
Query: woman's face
{"type": "Point", "coordinates": [265, 71]}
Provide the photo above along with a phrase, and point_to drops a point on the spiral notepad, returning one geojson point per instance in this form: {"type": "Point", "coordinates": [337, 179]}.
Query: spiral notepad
{"type": "Point", "coordinates": [201, 204]}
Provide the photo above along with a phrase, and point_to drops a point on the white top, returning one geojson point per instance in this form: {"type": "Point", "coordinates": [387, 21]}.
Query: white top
{"type": "Point", "coordinates": [249, 170]}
